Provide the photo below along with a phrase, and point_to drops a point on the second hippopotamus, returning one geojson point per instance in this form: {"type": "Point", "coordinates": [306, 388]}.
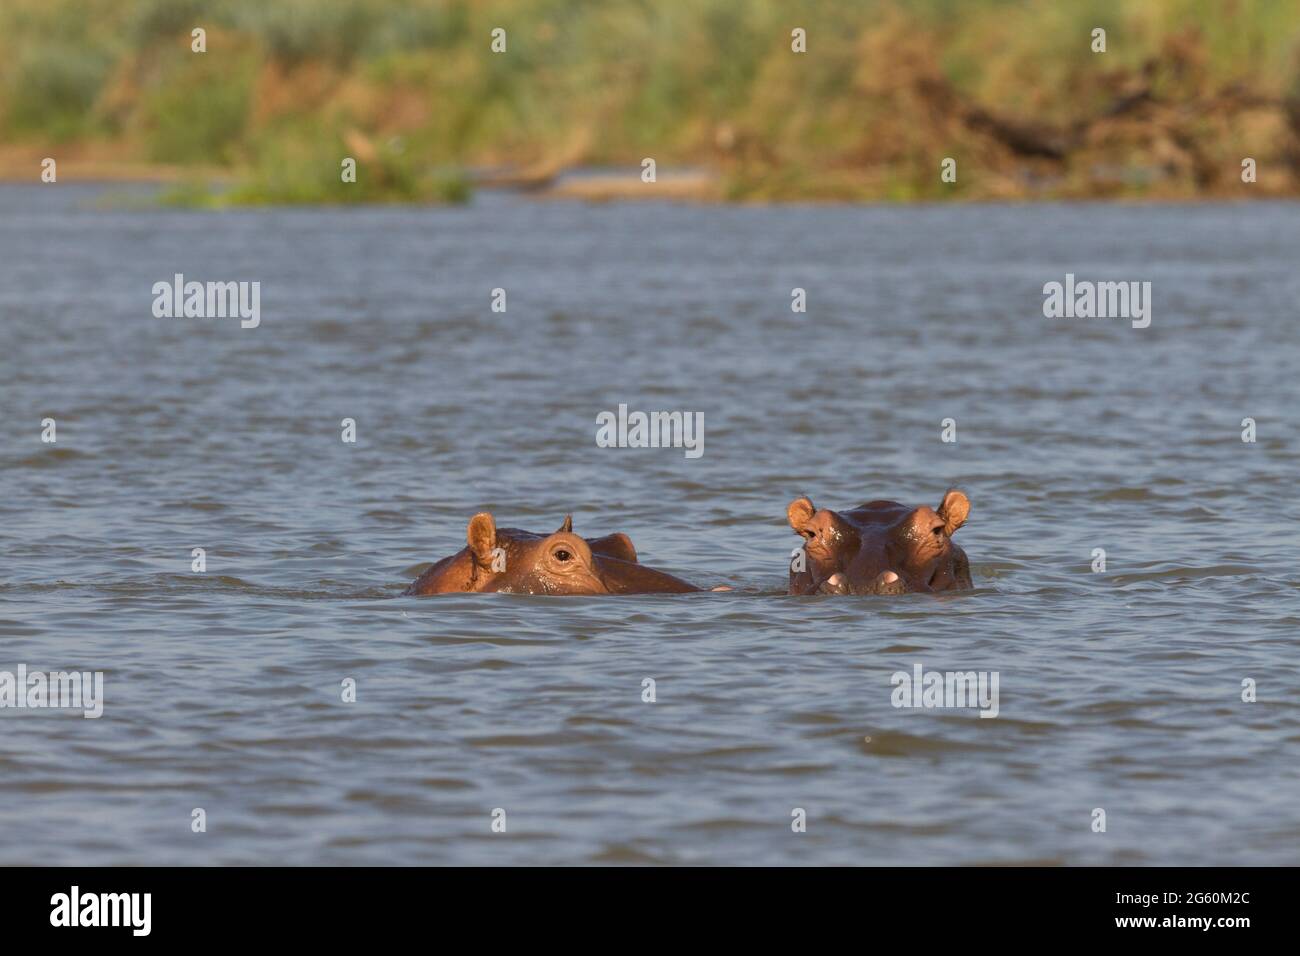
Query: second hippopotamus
{"type": "Point", "coordinates": [523, 562]}
{"type": "Point", "coordinates": [881, 547]}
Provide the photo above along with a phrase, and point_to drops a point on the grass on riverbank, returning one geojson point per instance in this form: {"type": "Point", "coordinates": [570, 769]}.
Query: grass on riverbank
{"type": "Point", "coordinates": [1010, 89]}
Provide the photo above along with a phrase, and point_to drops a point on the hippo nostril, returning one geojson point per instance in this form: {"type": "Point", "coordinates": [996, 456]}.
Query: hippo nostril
{"type": "Point", "coordinates": [835, 584]}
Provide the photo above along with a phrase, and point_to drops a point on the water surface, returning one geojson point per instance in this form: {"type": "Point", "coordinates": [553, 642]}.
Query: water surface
{"type": "Point", "coordinates": [1119, 691]}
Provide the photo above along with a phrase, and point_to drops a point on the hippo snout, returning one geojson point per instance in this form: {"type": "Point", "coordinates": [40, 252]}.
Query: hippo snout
{"type": "Point", "coordinates": [886, 582]}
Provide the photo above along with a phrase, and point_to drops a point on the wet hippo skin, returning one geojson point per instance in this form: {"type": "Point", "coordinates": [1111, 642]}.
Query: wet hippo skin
{"type": "Point", "coordinates": [510, 560]}
{"type": "Point", "coordinates": [881, 547]}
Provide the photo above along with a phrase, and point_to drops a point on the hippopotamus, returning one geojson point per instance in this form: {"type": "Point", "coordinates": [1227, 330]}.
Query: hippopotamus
{"type": "Point", "coordinates": [523, 562]}
{"type": "Point", "coordinates": [881, 547]}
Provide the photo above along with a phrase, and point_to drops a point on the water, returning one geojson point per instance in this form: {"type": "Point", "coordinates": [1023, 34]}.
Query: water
{"type": "Point", "coordinates": [1119, 691]}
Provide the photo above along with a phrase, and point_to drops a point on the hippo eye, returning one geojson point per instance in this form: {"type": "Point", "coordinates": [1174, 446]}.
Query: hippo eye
{"type": "Point", "coordinates": [938, 529]}
{"type": "Point", "coordinates": [563, 555]}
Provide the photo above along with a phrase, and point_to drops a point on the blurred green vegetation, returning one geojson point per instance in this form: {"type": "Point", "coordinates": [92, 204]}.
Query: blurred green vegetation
{"type": "Point", "coordinates": [411, 89]}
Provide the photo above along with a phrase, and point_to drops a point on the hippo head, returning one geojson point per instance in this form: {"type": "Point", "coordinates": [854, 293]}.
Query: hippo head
{"type": "Point", "coordinates": [522, 562]}
{"type": "Point", "coordinates": [881, 547]}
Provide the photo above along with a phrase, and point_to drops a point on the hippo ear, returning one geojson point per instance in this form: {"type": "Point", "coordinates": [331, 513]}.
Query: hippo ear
{"type": "Point", "coordinates": [953, 510]}
{"type": "Point", "coordinates": [800, 513]}
{"type": "Point", "coordinates": [482, 536]}
{"type": "Point", "coordinates": [614, 546]}
{"type": "Point", "coordinates": [567, 527]}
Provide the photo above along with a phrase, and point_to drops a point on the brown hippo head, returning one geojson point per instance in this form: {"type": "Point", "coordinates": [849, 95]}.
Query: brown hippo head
{"type": "Point", "coordinates": [522, 562]}
{"type": "Point", "coordinates": [881, 547]}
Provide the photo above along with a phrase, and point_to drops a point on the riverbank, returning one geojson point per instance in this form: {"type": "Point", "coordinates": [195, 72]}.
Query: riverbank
{"type": "Point", "coordinates": [733, 102]}
{"type": "Point", "coordinates": [216, 188]}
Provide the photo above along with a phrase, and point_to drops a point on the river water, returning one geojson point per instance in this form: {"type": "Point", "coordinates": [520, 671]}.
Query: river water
{"type": "Point", "coordinates": [1119, 691]}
